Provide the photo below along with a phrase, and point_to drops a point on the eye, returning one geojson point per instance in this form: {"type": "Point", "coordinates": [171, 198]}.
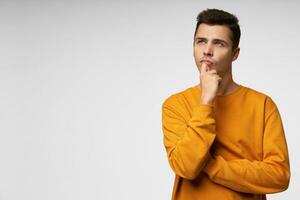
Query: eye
{"type": "Point", "coordinates": [200, 41]}
{"type": "Point", "coordinates": [219, 43]}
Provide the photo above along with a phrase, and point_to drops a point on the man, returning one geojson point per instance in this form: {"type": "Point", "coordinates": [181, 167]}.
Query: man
{"type": "Point", "coordinates": [223, 140]}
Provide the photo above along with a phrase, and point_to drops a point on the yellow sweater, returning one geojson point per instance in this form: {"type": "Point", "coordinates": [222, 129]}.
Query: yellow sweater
{"type": "Point", "coordinates": [235, 149]}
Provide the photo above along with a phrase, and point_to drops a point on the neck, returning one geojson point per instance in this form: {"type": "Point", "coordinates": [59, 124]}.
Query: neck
{"type": "Point", "coordinates": [227, 85]}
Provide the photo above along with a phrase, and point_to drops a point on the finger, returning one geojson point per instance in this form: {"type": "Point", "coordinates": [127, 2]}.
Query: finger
{"type": "Point", "coordinates": [204, 68]}
{"type": "Point", "coordinates": [213, 71]}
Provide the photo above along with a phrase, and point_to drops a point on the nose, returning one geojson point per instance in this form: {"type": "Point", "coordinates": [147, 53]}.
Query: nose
{"type": "Point", "coordinates": [208, 51]}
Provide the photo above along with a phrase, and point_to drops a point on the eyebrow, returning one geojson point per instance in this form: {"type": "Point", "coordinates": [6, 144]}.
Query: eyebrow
{"type": "Point", "coordinates": [214, 40]}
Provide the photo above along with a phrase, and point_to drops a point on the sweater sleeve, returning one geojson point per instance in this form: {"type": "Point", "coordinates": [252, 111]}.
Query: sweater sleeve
{"type": "Point", "coordinates": [269, 175]}
{"type": "Point", "coordinates": [187, 140]}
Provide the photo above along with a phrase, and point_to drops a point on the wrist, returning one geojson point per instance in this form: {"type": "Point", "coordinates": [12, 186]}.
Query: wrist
{"type": "Point", "coordinates": [205, 101]}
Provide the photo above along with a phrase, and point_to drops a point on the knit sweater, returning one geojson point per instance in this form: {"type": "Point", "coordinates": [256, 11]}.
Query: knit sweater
{"type": "Point", "coordinates": [234, 149]}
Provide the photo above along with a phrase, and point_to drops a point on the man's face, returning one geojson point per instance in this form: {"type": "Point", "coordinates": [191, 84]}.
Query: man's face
{"type": "Point", "coordinates": [213, 46]}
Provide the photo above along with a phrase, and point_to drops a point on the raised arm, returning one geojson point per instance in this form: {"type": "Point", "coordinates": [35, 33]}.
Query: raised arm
{"type": "Point", "coordinates": [187, 140]}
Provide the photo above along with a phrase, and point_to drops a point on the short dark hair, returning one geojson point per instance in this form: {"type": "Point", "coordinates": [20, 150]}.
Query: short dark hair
{"type": "Point", "coordinates": [221, 17]}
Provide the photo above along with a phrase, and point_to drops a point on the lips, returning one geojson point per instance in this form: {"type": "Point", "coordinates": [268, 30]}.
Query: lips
{"type": "Point", "coordinates": [208, 62]}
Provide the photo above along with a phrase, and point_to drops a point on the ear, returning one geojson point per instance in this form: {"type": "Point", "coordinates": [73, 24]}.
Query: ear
{"type": "Point", "coordinates": [236, 54]}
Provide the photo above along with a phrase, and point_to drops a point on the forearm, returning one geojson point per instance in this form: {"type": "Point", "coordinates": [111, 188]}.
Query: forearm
{"type": "Point", "coordinates": [261, 177]}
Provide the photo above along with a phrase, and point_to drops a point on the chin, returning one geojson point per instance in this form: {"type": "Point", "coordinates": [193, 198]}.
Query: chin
{"type": "Point", "coordinates": [213, 67]}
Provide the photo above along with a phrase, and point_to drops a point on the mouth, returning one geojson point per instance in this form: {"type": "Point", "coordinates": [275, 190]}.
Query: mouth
{"type": "Point", "coordinates": [208, 62]}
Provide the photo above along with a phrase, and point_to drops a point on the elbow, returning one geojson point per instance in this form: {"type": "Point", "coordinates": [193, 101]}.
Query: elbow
{"type": "Point", "coordinates": [189, 175]}
{"type": "Point", "coordinates": [185, 166]}
{"type": "Point", "coordinates": [283, 181]}
{"type": "Point", "coordinates": [189, 172]}
{"type": "Point", "coordinates": [282, 186]}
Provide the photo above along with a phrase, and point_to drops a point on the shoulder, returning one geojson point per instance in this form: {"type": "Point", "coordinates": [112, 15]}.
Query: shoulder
{"type": "Point", "coordinates": [260, 97]}
{"type": "Point", "coordinates": [176, 99]}
{"type": "Point", "coordinates": [255, 93]}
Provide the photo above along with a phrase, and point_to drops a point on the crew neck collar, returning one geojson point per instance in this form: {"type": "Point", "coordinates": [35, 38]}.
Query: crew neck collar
{"type": "Point", "coordinates": [225, 96]}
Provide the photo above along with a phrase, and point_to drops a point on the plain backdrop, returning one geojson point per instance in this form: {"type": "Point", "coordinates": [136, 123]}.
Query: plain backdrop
{"type": "Point", "coordinates": [82, 84]}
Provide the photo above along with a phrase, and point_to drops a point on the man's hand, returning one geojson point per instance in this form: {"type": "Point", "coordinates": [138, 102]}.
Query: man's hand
{"type": "Point", "coordinates": [209, 83]}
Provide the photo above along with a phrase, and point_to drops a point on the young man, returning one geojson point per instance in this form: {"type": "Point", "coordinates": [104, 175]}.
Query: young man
{"type": "Point", "coordinates": [223, 140]}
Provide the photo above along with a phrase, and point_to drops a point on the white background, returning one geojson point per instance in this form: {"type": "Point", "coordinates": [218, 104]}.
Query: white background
{"type": "Point", "coordinates": [82, 83]}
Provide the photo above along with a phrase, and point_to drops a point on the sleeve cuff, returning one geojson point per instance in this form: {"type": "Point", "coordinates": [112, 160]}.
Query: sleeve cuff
{"type": "Point", "coordinates": [205, 110]}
